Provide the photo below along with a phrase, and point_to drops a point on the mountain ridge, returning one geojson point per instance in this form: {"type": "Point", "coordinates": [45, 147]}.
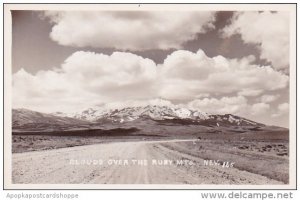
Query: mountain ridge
{"type": "Point", "coordinates": [158, 113]}
{"type": "Point", "coordinates": [26, 119]}
{"type": "Point", "coordinates": [161, 114]}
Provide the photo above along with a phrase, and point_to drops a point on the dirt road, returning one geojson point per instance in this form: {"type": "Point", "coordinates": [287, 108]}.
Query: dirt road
{"type": "Point", "coordinates": [144, 162]}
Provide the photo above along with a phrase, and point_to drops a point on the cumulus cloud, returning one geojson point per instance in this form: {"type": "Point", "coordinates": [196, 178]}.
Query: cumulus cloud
{"type": "Point", "coordinates": [268, 98]}
{"type": "Point", "coordinates": [238, 105]}
{"type": "Point", "coordinates": [148, 30]}
{"type": "Point", "coordinates": [284, 107]}
{"type": "Point", "coordinates": [269, 31]}
{"type": "Point", "coordinates": [224, 105]}
{"type": "Point", "coordinates": [115, 74]}
{"type": "Point", "coordinates": [259, 108]}
{"type": "Point", "coordinates": [87, 79]}
{"type": "Point", "coordinates": [135, 103]}
{"type": "Point", "coordinates": [188, 75]}
{"type": "Point", "coordinates": [282, 110]}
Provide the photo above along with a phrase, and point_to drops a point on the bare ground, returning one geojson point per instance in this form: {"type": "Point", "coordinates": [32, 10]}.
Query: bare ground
{"type": "Point", "coordinates": [53, 166]}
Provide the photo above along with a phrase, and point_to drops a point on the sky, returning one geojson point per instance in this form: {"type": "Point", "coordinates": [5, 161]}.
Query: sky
{"type": "Point", "coordinates": [216, 62]}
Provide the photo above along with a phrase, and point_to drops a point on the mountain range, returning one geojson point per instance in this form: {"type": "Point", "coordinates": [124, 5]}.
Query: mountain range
{"type": "Point", "coordinates": [105, 117]}
{"type": "Point", "coordinates": [157, 113]}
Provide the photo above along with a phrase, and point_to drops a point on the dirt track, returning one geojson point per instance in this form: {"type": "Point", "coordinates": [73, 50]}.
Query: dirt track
{"type": "Point", "coordinates": [53, 166]}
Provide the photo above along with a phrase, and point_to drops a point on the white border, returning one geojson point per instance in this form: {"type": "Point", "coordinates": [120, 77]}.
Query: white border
{"type": "Point", "coordinates": [212, 7]}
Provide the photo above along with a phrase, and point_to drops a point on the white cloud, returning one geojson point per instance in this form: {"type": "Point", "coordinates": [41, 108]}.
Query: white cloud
{"type": "Point", "coordinates": [186, 75]}
{"type": "Point", "coordinates": [238, 105]}
{"type": "Point", "coordinates": [250, 92]}
{"type": "Point", "coordinates": [87, 79]}
{"type": "Point", "coordinates": [268, 98]}
{"type": "Point", "coordinates": [269, 31]}
{"type": "Point", "coordinates": [282, 110]}
{"type": "Point", "coordinates": [134, 103]}
{"type": "Point", "coordinates": [113, 74]}
{"type": "Point", "coordinates": [224, 105]}
{"type": "Point", "coordinates": [259, 108]}
{"type": "Point", "coordinates": [148, 30]}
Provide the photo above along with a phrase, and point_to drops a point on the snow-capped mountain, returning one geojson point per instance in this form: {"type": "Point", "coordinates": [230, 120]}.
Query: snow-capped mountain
{"type": "Point", "coordinates": [157, 112]}
{"type": "Point", "coordinates": [151, 111]}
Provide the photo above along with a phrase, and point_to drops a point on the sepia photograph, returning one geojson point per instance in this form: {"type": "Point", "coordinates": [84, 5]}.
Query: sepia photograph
{"type": "Point", "coordinates": [156, 96]}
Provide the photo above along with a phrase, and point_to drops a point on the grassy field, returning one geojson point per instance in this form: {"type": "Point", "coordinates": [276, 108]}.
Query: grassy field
{"type": "Point", "coordinates": [265, 153]}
